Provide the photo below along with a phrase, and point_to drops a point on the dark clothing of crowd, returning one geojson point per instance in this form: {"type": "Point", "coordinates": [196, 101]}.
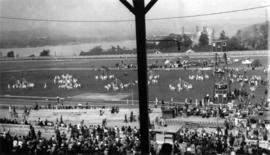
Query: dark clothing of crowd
{"type": "Point", "coordinates": [78, 140]}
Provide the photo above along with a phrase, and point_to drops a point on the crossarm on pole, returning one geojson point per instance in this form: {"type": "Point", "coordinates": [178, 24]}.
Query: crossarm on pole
{"type": "Point", "coordinates": [129, 6]}
{"type": "Point", "coordinates": [149, 5]}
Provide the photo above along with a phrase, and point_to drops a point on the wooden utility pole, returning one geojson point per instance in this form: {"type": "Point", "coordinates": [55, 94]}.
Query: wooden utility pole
{"type": "Point", "coordinates": [139, 10]}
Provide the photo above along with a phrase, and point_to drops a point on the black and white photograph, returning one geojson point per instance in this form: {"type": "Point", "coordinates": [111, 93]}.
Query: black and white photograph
{"type": "Point", "coordinates": [134, 77]}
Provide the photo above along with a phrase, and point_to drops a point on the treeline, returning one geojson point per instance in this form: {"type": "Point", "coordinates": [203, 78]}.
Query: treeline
{"type": "Point", "coordinates": [98, 50]}
{"type": "Point", "coordinates": [43, 53]}
{"type": "Point", "coordinates": [254, 37]}
{"type": "Point", "coordinates": [181, 43]}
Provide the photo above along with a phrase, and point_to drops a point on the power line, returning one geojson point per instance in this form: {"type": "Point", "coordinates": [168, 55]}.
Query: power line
{"type": "Point", "coordinates": [66, 21]}
{"type": "Point", "coordinates": [129, 20]}
{"type": "Point", "coordinates": [210, 14]}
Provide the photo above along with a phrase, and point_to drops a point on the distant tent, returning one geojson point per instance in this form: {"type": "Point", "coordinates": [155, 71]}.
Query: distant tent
{"type": "Point", "coordinates": [236, 60]}
{"type": "Point", "coordinates": [166, 62]}
{"type": "Point", "coordinates": [157, 52]}
{"type": "Point", "coordinates": [190, 51]}
{"type": "Point", "coordinates": [246, 62]}
{"type": "Point", "coordinates": [219, 70]}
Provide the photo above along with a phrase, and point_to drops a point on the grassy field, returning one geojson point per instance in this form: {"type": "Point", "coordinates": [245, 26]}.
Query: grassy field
{"type": "Point", "coordinates": [90, 85]}
{"type": "Point", "coordinates": [41, 72]}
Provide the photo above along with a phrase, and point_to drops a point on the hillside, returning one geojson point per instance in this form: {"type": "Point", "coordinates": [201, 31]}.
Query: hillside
{"type": "Point", "coordinates": [43, 37]}
{"type": "Point", "coordinates": [254, 37]}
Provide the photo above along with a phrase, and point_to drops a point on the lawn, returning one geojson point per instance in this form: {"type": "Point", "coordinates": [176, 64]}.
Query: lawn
{"type": "Point", "coordinates": [91, 85]}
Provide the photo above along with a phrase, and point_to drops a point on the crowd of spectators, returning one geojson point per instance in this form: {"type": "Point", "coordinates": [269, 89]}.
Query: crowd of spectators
{"type": "Point", "coordinates": [79, 139]}
{"type": "Point", "coordinates": [8, 121]}
{"type": "Point", "coordinates": [97, 139]}
{"type": "Point", "coordinates": [242, 125]}
{"type": "Point", "coordinates": [191, 142]}
{"type": "Point", "coordinates": [239, 128]}
{"type": "Point", "coordinates": [61, 105]}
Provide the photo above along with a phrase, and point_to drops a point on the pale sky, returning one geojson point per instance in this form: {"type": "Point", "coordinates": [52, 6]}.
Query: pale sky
{"type": "Point", "coordinates": [114, 10]}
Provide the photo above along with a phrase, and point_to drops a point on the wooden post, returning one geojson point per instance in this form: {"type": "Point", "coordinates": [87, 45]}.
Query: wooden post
{"type": "Point", "coordinates": [139, 10]}
{"type": "Point", "coordinates": [142, 74]}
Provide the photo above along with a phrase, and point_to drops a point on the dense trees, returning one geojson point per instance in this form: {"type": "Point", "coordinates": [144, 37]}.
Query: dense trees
{"type": "Point", "coordinates": [94, 50]}
{"type": "Point", "coordinates": [234, 44]}
{"type": "Point", "coordinates": [97, 50]}
{"type": "Point", "coordinates": [45, 53]}
{"type": "Point", "coordinates": [223, 36]}
{"type": "Point", "coordinates": [203, 40]}
{"type": "Point", "coordinates": [254, 37]}
{"type": "Point", "coordinates": [10, 54]}
{"type": "Point", "coordinates": [187, 42]}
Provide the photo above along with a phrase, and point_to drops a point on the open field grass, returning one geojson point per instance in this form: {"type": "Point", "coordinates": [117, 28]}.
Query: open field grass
{"type": "Point", "coordinates": [43, 71]}
{"type": "Point", "coordinates": [84, 63]}
{"type": "Point", "coordinates": [90, 85]}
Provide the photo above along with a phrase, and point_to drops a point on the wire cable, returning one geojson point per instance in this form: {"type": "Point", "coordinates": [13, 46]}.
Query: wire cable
{"type": "Point", "coordinates": [129, 20]}
{"type": "Point", "coordinates": [210, 14]}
